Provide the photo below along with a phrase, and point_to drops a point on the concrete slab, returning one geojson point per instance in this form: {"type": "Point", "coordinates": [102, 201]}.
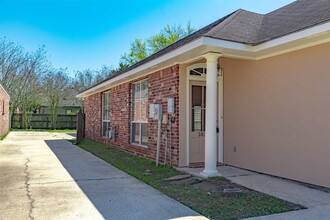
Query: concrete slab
{"type": "Point", "coordinates": [225, 171]}
{"type": "Point", "coordinates": [317, 213]}
{"type": "Point", "coordinates": [287, 190]}
{"type": "Point", "coordinates": [284, 189]}
{"type": "Point", "coordinates": [46, 177]}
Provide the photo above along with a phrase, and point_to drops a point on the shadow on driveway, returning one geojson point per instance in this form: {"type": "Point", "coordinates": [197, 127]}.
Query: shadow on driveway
{"type": "Point", "coordinates": [114, 193]}
{"type": "Point", "coordinates": [72, 134]}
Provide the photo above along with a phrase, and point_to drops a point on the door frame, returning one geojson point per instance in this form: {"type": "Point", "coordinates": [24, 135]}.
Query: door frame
{"type": "Point", "coordinates": [190, 78]}
{"type": "Point", "coordinates": [191, 84]}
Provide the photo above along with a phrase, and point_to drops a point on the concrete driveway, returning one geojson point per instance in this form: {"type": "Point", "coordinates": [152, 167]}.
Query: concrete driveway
{"type": "Point", "coordinates": [44, 176]}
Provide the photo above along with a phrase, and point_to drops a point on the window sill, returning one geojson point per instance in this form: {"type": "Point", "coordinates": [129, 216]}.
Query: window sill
{"type": "Point", "coordinates": [139, 145]}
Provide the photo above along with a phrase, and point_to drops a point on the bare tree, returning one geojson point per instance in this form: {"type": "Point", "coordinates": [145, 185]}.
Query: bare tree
{"type": "Point", "coordinates": [57, 85]}
{"type": "Point", "coordinates": [21, 74]}
{"type": "Point", "coordinates": [87, 78]}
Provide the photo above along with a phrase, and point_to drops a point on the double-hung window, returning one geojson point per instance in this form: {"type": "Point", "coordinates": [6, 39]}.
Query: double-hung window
{"type": "Point", "coordinates": [139, 123]}
{"type": "Point", "coordinates": [105, 114]}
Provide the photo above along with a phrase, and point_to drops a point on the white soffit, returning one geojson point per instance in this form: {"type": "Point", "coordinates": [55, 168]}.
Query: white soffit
{"type": "Point", "coordinates": [295, 41]}
{"type": "Point", "coordinates": [151, 66]}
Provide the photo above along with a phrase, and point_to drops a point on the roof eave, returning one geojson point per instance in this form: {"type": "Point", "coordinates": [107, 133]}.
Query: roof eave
{"type": "Point", "coordinates": [177, 52]}
{"type": "Point", "coordinates": [257, 52]}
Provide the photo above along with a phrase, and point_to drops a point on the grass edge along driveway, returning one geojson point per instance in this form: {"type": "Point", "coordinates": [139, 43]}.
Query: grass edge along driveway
{"type": "Point", "coordinates": [201, 197]}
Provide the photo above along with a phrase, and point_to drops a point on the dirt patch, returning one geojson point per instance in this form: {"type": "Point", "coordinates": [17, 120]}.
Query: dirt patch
{"type": "Point", "coordinates": [226, 188]}
{"type": "Point", "coordinates": [223, 187]}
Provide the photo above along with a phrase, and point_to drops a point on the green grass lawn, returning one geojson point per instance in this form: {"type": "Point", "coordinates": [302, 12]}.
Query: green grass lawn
{"type": "Point", "coordinates": [4, 136]}
{"type": "Point", "coordinates": [203, 197]}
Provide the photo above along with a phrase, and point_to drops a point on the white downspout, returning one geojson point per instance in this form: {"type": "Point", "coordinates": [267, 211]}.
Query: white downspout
{"type": "Point", "coordinates": [158, 141]}
{"type": "Point", "coordinates": [220, 123]}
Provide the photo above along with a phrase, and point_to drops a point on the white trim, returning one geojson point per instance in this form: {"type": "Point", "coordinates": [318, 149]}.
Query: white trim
{"type": "Point", "coordinates": [187, 116]}
{"type": "Point", "coordinates": [108, 102]}
{"type": "Point", "coordinates": [195, 66]}
{"type": "Point", "coordinates": [236, 48]}
{"type": "Point", "coordinates": [221, 116]}
{"type": "Point", "coordinates": [135, 78]}
{"type": "Point", "coordinates": [189, 78]}
{"type": "Point", "coordinates": [139, 145]}
{"type": "Point", "coordinates": [307, 33]}
{"type": "Point", "coordinates": [220, 156]}
{"type": "Point", "coordinates": [192, 45]}
{"type": "Point", "coordinates": [224, 44]}
{"type": "Point", "coordinates": [132, 113]}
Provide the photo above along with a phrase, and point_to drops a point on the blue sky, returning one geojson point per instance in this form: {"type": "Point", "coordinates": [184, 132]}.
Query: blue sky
{"type": "Point", "coordinates": [82, 34]}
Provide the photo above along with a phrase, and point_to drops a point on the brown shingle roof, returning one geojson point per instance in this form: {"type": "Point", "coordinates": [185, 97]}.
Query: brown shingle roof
{"type": "Point", "coordinates": [243, 27]}
{"type": "Point", "coordinates": [294, 17]}
{"type": "Point", "coordinates": [252, 28]}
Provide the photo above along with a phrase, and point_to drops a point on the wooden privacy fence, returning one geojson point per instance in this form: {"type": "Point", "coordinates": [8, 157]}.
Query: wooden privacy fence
{"type": "Point", "coordinates": [43, 121]}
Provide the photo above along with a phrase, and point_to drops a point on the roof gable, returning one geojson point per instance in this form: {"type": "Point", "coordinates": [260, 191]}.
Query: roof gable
{"type": "Point", "coordinates": [242, 26]}
{"type": "Point", "coordinates": [296, 16]}
{"type": "Point", "coordinates": [251, 28]}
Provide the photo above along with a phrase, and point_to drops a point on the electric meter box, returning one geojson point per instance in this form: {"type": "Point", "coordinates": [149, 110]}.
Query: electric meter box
{"type": "Point", "coordinates": [156, 111]}
{"type": "Point", "coordinates": [170, 106]}
{"type": "Point", "coordinates": [151, 110]}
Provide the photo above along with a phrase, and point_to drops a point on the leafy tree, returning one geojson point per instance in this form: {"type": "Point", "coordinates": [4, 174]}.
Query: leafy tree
{"type": "Point", "coordinates": [140, 49]}
{"type": "Point", "coordinates": [168, 36]}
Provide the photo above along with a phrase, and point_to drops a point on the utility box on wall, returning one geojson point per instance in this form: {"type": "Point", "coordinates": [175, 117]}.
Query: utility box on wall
{"type": "Point", "coordinates": [171, 106]}
{"type": "Point", "coordinates": [155, 111]}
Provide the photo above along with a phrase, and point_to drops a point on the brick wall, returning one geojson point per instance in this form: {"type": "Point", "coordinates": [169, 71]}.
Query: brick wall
{"type": "Point", "coordinates": [4, 112]}
{"type": "Point", "coordinates": [162, 85]}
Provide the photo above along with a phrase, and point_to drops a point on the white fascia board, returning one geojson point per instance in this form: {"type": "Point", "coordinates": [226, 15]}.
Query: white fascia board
{"type": "Point", "coordinates": [307, 33]}
{"type": "Point", "coordinates": [213, 42]}
{"type": "Point", "coordinates": [208, 41]}
{"type": "Point", "coordinates": [190, 46]}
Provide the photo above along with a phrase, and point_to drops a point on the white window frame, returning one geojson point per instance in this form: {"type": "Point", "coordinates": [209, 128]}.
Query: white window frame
{"type": "Point", "coordinates": [132, 114]}
{"type": "Point", "coordinates": [106, 102]}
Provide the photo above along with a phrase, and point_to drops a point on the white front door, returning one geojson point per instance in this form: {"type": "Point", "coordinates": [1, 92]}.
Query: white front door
{"type": "Point", "coordinates": [197, 121]}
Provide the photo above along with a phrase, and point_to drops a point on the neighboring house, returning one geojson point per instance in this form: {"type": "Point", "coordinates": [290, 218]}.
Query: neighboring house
{"type": "Point", "coordinates": [70, 105]}
{"type": "Point", "coordinates": [66, 109]}
{"type": "Point", "coordinates": [4, 111]}
{"type": "Point", "coordinates": [250, 90]}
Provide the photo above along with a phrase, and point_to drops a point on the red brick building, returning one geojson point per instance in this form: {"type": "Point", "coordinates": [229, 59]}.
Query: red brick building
{"type": "Point", "coordinates": [248, 90]}
{"type": "Point", "coordinates": [160, 86]}
{"type": "Point", "coordinates": [4, 111]}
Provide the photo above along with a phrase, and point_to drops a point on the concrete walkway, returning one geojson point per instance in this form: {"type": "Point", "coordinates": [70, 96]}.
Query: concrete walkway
{"type": "Point", "coordinates": [46, 177]}
{"type": "Point", "coordinates": [317, 202]}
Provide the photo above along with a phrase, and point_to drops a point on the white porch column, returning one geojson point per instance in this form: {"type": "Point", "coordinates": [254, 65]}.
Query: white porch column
{"type": "Point", "coordinates": [210, 168]}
